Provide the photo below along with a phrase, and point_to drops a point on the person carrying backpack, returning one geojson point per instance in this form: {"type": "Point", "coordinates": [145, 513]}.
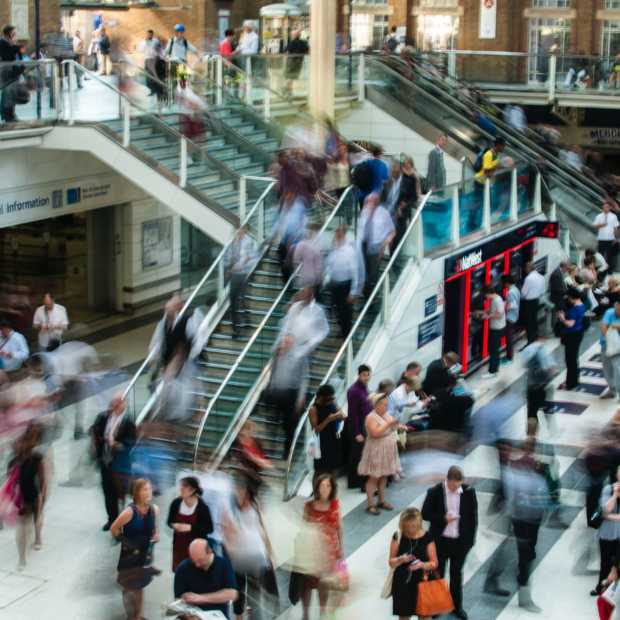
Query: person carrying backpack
{"type": "Point", "coordinates": [370, 175]}
{"type": "Point", "coordinates": [391, 41]}
{"type": "Point", "coordinates": [177, 49]}
{"type": "Point", "coordinates": [487, 162]}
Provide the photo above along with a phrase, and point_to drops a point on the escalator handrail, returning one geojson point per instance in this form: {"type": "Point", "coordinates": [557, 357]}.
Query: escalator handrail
{"type": "Point", "coordinates": [229, 436]}
{"type": "Point", "coordinates": [372, 299]}
{"type": "Point", "coordinates": [214, 266]}
{"type": "Point", "coordinates": [522, 141]}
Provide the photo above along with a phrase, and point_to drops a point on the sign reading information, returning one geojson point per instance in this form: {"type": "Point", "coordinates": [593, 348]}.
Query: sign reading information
{"type": "Point", "coordinates": [488, 19]}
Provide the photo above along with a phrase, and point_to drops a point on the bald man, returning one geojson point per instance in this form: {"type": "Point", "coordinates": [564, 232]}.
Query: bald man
{"type": "Point", "coordinates": [205, 580]}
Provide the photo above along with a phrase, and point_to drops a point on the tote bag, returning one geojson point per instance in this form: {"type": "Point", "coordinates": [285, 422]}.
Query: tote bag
{"type": "Point", "coordinates": [612, 342]}
{"type": "Point", "coordinates": [386, 592]}
{"type": "Point", "coordinates": [314, 446]}
{"type": "Point", "coordinates": [434, 597]}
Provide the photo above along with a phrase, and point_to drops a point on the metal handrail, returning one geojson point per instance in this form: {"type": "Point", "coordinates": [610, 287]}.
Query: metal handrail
{"type": "Point", "coordinates": [529, 149]}
{"type": "Point", "coordinates": [349, 339]}
{"type": "Point", "coordinates": [229, 436]}
{"type": "Point", "coordinates": [221, 167]}
{"type": "Point", "coordinates": [208, 274]}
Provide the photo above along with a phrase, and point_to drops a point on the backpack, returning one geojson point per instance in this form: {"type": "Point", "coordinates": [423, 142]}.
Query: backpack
{"type": "Point", "coordinates": [362, 176]}
{"type": "Point", "coordinates": [391, 44]}
{"type": "Point", "coordinates": [479, 160]}
{"type": "Point", "coordinates": [171, 43]}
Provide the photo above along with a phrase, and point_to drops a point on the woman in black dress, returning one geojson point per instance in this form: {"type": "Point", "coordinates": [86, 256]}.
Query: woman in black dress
{"type": "Point", "coordinates": [325, 417]}
{"type": "Point", "coordinates": [412, 551]}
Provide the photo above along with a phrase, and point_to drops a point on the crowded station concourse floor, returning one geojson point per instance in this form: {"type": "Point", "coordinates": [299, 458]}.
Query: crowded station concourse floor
{"type": "Point", "coordinates": [73, 575]}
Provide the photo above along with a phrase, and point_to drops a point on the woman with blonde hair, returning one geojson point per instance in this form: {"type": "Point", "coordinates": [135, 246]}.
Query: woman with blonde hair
{"type": "Point", "coordinates": [136, 529]}
{"type": "Point", "coordinates": [380, 455]}
{"type": "Point", "coordinates": [412, 551]}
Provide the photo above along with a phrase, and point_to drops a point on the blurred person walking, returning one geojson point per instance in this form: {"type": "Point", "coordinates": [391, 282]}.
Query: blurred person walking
{"type": "Point", "coordinates": [32, 479]}
{"type": "Point", "coordinates": [136, 529]}
{"type": "Point", "coordinates": [380, 454]}
{"type": "Point", "coordinates": [152, 51]}
{"type": "Point", "coordinates": [288, 230]}
{"type": "Point", "coordinates": [370, 174]}
{"type": "Point", "coordinates": [512, 305]}
{"type": "Point", "coordinates": [531, 292]}
{"type": "Point", "coordinates": [436, 170]}
{"type": "Point", "coordinates": [240, 260]}
{"type": "Point", "coordinates": [307, 253]}
{"type": "Point", "coordinates": [572, 321]}
{"type": "Point", "coordinates": [325, 417]}
{"type": "Point", "coordinates": [113, 435]}
{"type": "Point", "coordinates": [8, 74]}
{"type": "Point", "coordinates": [412, 554]}
{"type": "Point", "coordinates": [296, 49]}
{"type": "Point", "coordinates": [540, 369]}
{"type": "Point", "coordinates": [302, 330]}
{"type": "Point", "coordinates": [343, 279]}
{"type": "Point", "coordinates": [250, 553]}
{"type": "Point", "coordinates": [189, 517]}
{"type": "Point", "coordinates": [607, 224]}
{"type": "Point", "coordinates": [610, 358]}
{"type": "Point", "coordinates": [358, 407]}
{"type": "Point", "coordinates": [51, 321]}
{"type": "Point", "coordinates": [323, 510]}
{"type": "Point", "coordinates": [451, 508]}
{"type": "Point", "coordinates": [375, 233]}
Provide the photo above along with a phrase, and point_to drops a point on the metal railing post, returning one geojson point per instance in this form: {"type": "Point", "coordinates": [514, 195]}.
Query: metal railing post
{"type": "Point", "coordinates": [183, 166]}
{"type": "Point", "coordinates": [455, 220]}
{"type": "Point", "coordinates": [452, 64]}
{"type": "Point", "coordinates": [566, 243]}
{"type": "Point", "coordinates": [420, 238]}
{"type": "Point", "coordinates": [220, 282]}
{"type": "Point", "coordinates": [248, 82]}
{"type": "Point", "coordinates": [126, 123]}
{"type": "Point", "coordinates": [486, 207]}
{"type": "Point", "coordinates": [349, 370]}
{"type": "Point", "coordinates": [71, 118]}
{"type": "Point", "coordinates": [261, 222]}
{"type": "Point", "coordinates": [267, 104]}
{"type": "Point", "coordinates": [385, 301]}
{"type": "Point", "coordinates": [243, 198]}
{"type": "Point", "coordinates": [553, 213]}
{"type": "Point", "coordinates": [538, 194]}
{"type": "Point", "coordinates": [553, 65]}
{"type": "Point", "coordinates": [514, 196]}
{"type": "Point", "coordinates": [219, 81]}
{"type": "Point", "coordinates": [361, 79]}
{"type": "Point", "coordinates": [57, 86]}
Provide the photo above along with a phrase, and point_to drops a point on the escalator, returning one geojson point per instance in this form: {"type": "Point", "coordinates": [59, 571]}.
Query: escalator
{"type": "Point", "coordinates": [428, 103]}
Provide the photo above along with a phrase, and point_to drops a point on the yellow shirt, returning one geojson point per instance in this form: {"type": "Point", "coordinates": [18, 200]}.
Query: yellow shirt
{"type": "Point", "coordinates": [490, 160]}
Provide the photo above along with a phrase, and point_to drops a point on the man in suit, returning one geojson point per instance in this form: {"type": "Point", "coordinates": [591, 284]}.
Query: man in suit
{"type": "Point", "coordinates": [438, 374]}
{"type": "Point", "coordinates": [557, 285]}
{"type": "Point", "coordinates": [451, 508]}
{"type": "Point", "coordinates": [113, 436]}
{"type": "Point", "coordinates": [436, 173]}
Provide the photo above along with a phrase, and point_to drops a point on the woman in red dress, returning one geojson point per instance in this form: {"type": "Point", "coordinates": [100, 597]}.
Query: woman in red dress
{"type": "Point", "coordinates": [324, 510]}
{"type": "Point", "coordinates": [189, 517]}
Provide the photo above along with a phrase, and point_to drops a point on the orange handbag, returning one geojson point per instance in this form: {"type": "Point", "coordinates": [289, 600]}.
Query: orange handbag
{"type": "Point", "coordinates": [434, 597]}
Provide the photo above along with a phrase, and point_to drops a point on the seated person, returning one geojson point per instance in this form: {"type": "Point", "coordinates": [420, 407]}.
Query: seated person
{"type": "Point", "coordinates": [404, 403]}
{"type": "Point", "coordinates": [451, 409]}
{"type": "Point", "coordinates": [205, 580]}
{"type": "Point", "coordinates": [438, 373]}
{"type": "Point", "coordinates": [13, 347]}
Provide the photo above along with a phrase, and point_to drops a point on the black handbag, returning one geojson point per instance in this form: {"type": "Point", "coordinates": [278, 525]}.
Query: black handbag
{"type": "Point", "coordinates": [20, 95]}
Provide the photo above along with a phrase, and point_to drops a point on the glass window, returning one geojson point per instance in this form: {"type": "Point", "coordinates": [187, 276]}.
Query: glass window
{"type": "Point", "coordinates": [551, 4]}
{"type": "Point", "coordinates": [439, 4]}
{"type": "Point", "coordinates": [547, 35]}
{"type": "Point", "coordinates": [611, 38]}
{"type": "Point", "coordinates": [612, 4]}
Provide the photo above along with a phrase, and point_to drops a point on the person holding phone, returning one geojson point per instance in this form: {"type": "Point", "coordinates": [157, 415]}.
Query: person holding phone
{"type": "Point", "coordinates": [325, 418]}
{"type": "Point", "coordinates": [412, 551]}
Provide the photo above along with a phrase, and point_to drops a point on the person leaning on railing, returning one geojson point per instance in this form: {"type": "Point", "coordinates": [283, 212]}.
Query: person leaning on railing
{"type": "Point", "coordinates": [8, 75]}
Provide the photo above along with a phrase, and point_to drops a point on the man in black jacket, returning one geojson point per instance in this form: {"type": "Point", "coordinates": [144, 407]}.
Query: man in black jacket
{"type": "Point", "coordinates": [451, 508]}
{"type": "Point", "coordinates": [557, 286]}
{"type": "Point", "coordinates": [438, 374]}
{"type": "Point", "coordinates": [8, 74]}
{"type": "Point", "coordinates": [113, 436]}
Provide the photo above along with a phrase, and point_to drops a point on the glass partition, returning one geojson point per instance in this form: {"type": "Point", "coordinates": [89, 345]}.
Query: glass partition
{"type": "Point", "coordinates": [437, 218]}
{"type": "Point", "coordinates": [471, 199]}
{"type": "Point", "coordinates": [500, 194]}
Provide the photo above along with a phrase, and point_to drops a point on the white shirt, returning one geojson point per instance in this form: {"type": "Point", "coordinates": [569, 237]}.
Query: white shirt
{"type": "Point", "coordinates": [377, 230]}
{"type": "Point", "coordinates": [241, 255]}
{"type": "Point", "coordinates": [399, 399]}
{"type": "Point", "coordinates": [78, 46]}
{"type": "Point", "coordinates": [151, 48]}
{"type": "Point", "coordinates": [55, 320]}
{"type": "Point", "coordinates": [342, 266]}
{"type": "Point", "coordinates": [533, 286]}
{"type": "Point", "coordinates": [497, 307]}
{"type": "Point", "coordinates": [111, 427]}
{"type": "Point", "coordinates": [607, 232]}
{"type": "Point", "coordinates": [249, 43]}
{"type": "Point", "coordinates": [453, 507]}
{"type": "Point", "coordinates": [17, 346]}
{"type": "Point", "coordinates": [177, 50]}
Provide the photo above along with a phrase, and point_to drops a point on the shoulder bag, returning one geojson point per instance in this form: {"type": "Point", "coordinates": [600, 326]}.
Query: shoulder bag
{"type": "Point", "coordinates": [612, 342]}
{"type": "Point", "coordinates": [434, 597]}
{"type": "Point", "coordinates": [386, 592]}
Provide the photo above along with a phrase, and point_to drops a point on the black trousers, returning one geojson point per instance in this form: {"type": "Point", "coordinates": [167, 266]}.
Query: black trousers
{"type": "Point", "coordinates": [572, 342]}
{"type": "Point", "coordinates": [526, 534]}
{"type": "Point", "coordinates": [530, 319]}
{"type": "Point", "coordinates": [113, 492]}
{"type": "Point", "coordinates": [609, 557]}
{"type": "Point", "coordinates": [354, 480]}
{"type": "Point", "coordinates": [285, 403]}
{"type": "Point", "coordinates": [285, 267]}
{"type": "Point", "coordinates": [536, 398]}
{"type": "Point", "coordinates": [372, 263]}
{"type": "Point", "coordinates": [340, 292]}
{"type": "Point", "coordinates": [237, 288]}
{"type": "Point", "coordinates": [495, 341]}
{"type": "Point", "coordinates": [607, 249]}
{"type": "Point", "coordinates": [511, 330]}
{"type": "Point", "coordinates": [452, 549]}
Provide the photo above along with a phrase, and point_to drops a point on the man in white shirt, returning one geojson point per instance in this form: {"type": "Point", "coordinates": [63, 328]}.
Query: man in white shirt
{"type": "Point", "coordinates": [151, 49]}
{"type": "Point", "coordinates": [343, 277]}
{"type": "Point", "coordinates": [375, 233]}
{"type": "Point", "coordinates": [496, 315]}
{"type": "Point", "coordinates": [13, 347]}
{"type": "Point", "coordinates": [403, 402]}
{"type": "Point", "coordinates": [248, 46]}
{"type": "Point", "coordinates": [532, 290]}
{"type": "Point", "coordinates": [607, 225]}
{"type": "Point", "coordinates": [51, 321]}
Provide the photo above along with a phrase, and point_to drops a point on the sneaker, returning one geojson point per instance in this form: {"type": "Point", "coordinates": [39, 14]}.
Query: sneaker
{"type": "Point", "coordinates": [489, 375]}
{"type": "Point", "coordinates": [608, 393]}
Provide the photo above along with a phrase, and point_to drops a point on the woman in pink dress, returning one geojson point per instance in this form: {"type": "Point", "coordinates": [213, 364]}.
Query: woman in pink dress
{"type": "Point", "coordinates": [380, 455]}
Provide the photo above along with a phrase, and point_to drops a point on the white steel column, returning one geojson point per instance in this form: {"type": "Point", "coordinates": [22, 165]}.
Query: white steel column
{"type": "Point", "coordinates": [322, 58]}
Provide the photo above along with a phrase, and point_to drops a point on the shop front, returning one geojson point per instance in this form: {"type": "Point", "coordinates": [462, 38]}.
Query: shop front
{"type": "Point", "coordinates": [466, 275]}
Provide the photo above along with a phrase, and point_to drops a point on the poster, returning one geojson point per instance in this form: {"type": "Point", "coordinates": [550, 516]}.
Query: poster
{"type": "Point", "coordinates": [488, 18]}
{"type": "Point", "coordinates": [19, 18]}
{"type": "Point", "coordinates": [157, 243]}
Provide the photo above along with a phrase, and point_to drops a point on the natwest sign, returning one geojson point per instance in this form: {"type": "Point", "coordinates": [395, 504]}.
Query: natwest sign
{"type": "Point", "coordinates": [468, 261]}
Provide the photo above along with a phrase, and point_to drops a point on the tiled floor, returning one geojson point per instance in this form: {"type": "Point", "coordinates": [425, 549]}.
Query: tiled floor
{"type": "Point", "coordinates": [73, 576]}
